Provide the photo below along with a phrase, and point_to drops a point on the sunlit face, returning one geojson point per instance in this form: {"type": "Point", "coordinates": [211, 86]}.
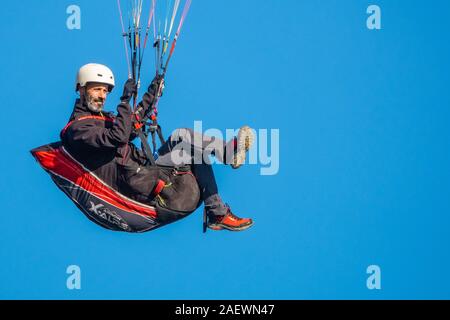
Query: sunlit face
{"type": "Point", "coordinates": [95, 95]}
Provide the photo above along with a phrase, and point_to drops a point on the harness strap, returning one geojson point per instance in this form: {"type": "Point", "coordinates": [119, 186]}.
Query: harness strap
{"type": "Point", "coordinates": [160, 184]}
{"type": "Point", "coordinates": [146, 147]}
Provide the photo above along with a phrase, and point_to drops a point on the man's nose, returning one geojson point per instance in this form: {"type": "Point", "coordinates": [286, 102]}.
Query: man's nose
{"type": "Point", "coordinates": [102, 95]}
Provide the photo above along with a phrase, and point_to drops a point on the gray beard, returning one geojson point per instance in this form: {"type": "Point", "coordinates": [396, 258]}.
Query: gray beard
{"type": "Point", "coordinates": [92, 105]}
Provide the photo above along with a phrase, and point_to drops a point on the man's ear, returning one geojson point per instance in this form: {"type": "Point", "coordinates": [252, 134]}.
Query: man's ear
{"type": "Point", "coordinates": [82, 92]}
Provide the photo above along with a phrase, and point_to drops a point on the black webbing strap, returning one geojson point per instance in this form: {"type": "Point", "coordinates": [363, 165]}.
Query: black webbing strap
{"type": "Point", "coordinates": [205, 220]}
{"type": "Point", "coordinates": [160, 135]}
{"type": "Point", "coordinates": [146, 148]}
{"type": "Point", "coordinates": [156, 129]}
{"type": "Point", "coordinates": [153, 128]}
{"type": "Point", "coordinates": [153, 139]}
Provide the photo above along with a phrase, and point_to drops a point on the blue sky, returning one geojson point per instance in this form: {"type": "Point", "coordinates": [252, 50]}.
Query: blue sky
{"type": "Point", "coordinates": [364, 152]}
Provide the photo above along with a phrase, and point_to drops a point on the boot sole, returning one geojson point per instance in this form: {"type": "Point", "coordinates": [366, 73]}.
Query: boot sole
{"type": "Point", "coordinates": [245, 142]}
{"type": "Point", "coordinates": [218, 227]}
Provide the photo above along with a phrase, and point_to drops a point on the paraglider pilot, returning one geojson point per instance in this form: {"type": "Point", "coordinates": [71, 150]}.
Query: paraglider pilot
{"type": "Point", "coordinates": [105, 148]}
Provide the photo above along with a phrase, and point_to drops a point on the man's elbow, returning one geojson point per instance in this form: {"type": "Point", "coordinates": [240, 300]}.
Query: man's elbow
{"type": "Point", "coordinates": [121, 138]}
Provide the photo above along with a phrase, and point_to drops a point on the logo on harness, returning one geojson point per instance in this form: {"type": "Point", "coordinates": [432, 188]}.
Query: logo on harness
{"type": "Point", "coordinates": [110, 216]}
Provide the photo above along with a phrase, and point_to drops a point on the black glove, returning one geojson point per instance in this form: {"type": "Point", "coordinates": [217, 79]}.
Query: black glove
{"type": "Point", "coordinates": [157, 84]}
{"type": "Point", "coordinates": [129, 90]}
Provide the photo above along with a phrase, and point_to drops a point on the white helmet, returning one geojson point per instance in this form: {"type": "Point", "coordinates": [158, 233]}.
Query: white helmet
{"type": "Point", "coordinates": [93, 72]}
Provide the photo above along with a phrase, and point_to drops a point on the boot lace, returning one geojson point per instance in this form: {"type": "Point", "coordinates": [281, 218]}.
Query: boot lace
{"type": "Point", "coordinates": [231, 214]}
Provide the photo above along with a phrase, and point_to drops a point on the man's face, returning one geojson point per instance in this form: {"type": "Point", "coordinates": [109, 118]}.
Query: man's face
{"type": "Point", "coordinates": [95, 95]}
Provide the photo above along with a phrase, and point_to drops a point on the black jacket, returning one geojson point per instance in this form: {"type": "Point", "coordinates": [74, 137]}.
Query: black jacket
{"type": "Point", "coordinates": [104, 146]}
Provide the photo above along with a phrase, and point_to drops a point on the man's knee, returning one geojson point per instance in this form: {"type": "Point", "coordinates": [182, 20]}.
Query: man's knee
{"type": "Point", "coordinates": [184, 134]}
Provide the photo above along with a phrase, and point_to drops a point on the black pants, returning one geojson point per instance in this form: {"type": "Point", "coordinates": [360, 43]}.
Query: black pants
{"type": "Point", "coordinates": [187, 147]}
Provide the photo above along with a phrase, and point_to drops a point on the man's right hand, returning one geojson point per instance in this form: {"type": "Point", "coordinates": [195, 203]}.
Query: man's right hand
{"type": "Point", "coordinates": [149, 99]}
{"type": "Point", "coordinates": [156, 85]}
{"type": "Point", "coordinates": [129, 90]}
